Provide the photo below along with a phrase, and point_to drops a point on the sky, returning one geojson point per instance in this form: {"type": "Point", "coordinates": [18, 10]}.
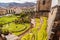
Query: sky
{"type": "Point", "coordinates": [54, 2]}
{"type": "Point", "coordinates": [18, 1]}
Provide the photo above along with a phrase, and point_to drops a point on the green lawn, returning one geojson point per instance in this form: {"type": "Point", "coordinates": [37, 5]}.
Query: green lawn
{"type": "Point", "coordinates": [16, 29]}
{"type": "Point", "coordinates": [11, 26]}
{"type": "Point", "coordinates": [7, 19]}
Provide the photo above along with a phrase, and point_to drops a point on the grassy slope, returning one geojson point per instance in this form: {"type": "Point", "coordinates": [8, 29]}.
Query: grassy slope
{"type": "Point", "coordinates": [35, 34]}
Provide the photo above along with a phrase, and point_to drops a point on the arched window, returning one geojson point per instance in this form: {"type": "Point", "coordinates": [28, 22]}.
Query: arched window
{"type": "Point", "coordinates": [43, 2]}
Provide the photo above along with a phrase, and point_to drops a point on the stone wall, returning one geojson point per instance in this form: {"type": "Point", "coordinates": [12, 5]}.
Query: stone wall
{"type": "Point", "coordinates": [51, 18]}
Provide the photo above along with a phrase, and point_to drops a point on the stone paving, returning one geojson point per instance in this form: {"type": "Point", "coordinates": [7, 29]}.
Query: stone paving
{"type": "Point", "coordinates": [12, 37]}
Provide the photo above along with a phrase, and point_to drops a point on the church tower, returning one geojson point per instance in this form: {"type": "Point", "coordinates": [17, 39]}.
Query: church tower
{"type": "Point", "coordinates": [43, 5]}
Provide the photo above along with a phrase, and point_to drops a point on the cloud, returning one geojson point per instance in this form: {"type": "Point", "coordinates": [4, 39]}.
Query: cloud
{"type": "Point", "coordinates": [20, 1]}
{"type": "Point", "coordinates": [54, 2]}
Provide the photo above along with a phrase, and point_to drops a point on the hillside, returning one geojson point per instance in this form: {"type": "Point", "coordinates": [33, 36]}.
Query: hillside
{"type": "Point", "coordinates": [13, 4]}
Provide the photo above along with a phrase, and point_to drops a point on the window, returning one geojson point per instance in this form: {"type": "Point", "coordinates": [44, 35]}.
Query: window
{"type": "Point", "coordinates": [43, 2]}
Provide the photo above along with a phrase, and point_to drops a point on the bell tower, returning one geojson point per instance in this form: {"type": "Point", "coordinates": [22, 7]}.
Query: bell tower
{"type": "Point", "coordinates": [43, 5]}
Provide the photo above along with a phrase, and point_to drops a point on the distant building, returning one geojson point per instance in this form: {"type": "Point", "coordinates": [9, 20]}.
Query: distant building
{"type": "Point", "coordinates": [2, 11]}
{"type": "Point", "coordinates": [27, 9]}
{"type": "Point", "coordinates": [17, 10]}
{"type": "Point", "coordinates": [14, 10]}
{"type": "Point", "coordinates": [10, 10]}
